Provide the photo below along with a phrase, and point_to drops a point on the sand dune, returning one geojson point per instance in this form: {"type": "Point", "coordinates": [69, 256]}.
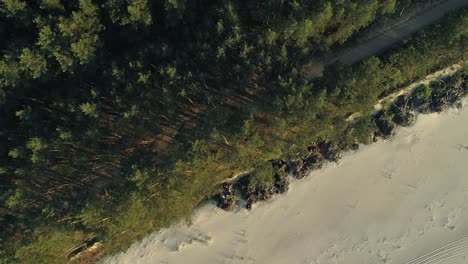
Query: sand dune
{"type": "Point", "coordinates": [401, 201]}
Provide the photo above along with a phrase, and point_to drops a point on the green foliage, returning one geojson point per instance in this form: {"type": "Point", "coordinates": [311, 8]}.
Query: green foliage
{"type": "Point", "coordinates": [333, 23]}
{"type": "Point", "coordinates": [82, 30]}
{"type": "Point", "coordinates": [139, 11]}
{"type": "Point", "coordinates": [352, 16]}
{"type": "Point", "coordinates": [358, 87]}
{"type": "Point", "coordinates": [65, 60]}
{"type": "Point", "coordinates": [14, 153]}
{"type": "Point", "coordinates": [33, 63]}
{"type": "Point", "coordinates": [16, 201]}
{"type": "Point", "coordinates": [36, 144]}
{"type": "Point", "coordinates": [52, 4]}
{"type": "Point", "coordinates": [249, 127]}
{"type": "Point", "coordinates": [421, 94]}
{"type": "Point", "coordinates": [388, 6]}
{"type": "Point", "coordinates": [438, 85]}
{"type": "Point", "coordinates": [51, 247]}
{"type": "Point", "coordinates": [46, 36]}
{"type": "Point", "coordinates": [64, 135]}
{"type": "Point", "coordinates": [262, 176]}
{"type": "Point", "coordinates": [302, 31]}
{"type": "Point", "coordinates": [89, 109]}
{"type": "Point", "coordinates": [363, 130]}
{"type": "Point", "coordinates": [139, 177]}
{"type": "Point", "coordinates": [92, 217]}
{"type": "Point", "coordinates": [270, 37]}
{"type": "Point", "coordinates": [135, 12]}
{"type": "Point", "coordinates": [9, 72]}
{"type": "Point", "coordinates": [200, 148]}
{"type": "Point", "coordinates": [12, 7]}
{"type": "Point", "coordinates": [24, 114]}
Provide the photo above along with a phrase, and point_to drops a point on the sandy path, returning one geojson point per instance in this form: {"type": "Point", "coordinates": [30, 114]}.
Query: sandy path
{"type": "Point", "coordinates": [401, 201]}
{"type": "Point", "coordinates": [448, 71]}
{"type": "Point", "coordinates": [400, 30]}
{"type": "Point", "coordinates": [440, 74]}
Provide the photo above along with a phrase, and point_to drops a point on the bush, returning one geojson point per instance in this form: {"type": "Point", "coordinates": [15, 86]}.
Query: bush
{"type": "Point", "coordinates": [52, 247]}
{"type": "Point", "coordinates": [262, 176]}
{"type": "Point", "coordinates": [364, 129]}
{"type": "Point", "coordinates": [421, 95]}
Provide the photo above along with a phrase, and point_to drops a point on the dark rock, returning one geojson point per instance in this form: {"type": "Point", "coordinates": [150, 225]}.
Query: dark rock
{"type": "Point", "coordinates": [278, 163]}
{"type": "Point", "coordinates": [330, 150]}
{"type": "Point", "coordinates": [456, 94]}
{"type": "Point", "coordinates": [301, 169]}
{"type": "Point", "coordinates": [304, 166]}
{"type": "Point", "coordinates": [83, 247]}
{"type": "Point", "coordinates": [263, 193]}
{"type": "Point", "coordinates": [314, 148]}
{"type": "Point", "coordinates": [317, 153]}
{"type": "Point", "coordinates": [282, 177]}
{"type": "Point", "coordinates": [226, 197]}
{"type": "Point", "coordinates": [402, 103]}
{"type": "Point", "coordinates": [258, 193]}
{"type": "Point", "coordinates": [439, 95]}
{"type": "Point", "coordinates": [401, 109]}
{"type": "Point", "coordinates": [463, 83]}
{"type": "Point", "coordinates": [315, 160]}
{"type": "Point", "coordinates": [439, 101]}
{"type": "Point", "coordinates": [376, 136]}
{"type": "Point", "coordinates": [355, 146]}
{"type": "Point", "coordinates": [387, 127]}
{"type": "Point", "coordinates": [281, 165]}
{"type": "Point", "coordinates": [282, 182]}
{"type": "Point", "coordinates": [445, 95]}
{"type": "Point", "coordinates": [404, 119]}
{"type": "Point", "coordinates": [424, 108]}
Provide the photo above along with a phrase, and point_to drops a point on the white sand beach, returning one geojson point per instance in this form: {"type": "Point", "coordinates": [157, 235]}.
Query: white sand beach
{"type": "Point", "coordinates": [399, 201]}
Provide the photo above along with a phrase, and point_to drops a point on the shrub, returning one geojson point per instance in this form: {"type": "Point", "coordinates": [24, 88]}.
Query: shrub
{"type": "Point", "coordinates": [52, 247]}
{"type": "Point", "coordinates": [262, 176]}
{"type": "Point", "coordinates": [421, 95]}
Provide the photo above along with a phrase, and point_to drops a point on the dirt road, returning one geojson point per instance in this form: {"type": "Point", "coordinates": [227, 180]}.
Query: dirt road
{"type": "Point", "coordinates": [402, 28]}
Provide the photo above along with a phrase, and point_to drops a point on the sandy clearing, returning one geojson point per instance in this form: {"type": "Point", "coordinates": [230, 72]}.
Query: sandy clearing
{"type": "Point", "coordinates": [400, 201]}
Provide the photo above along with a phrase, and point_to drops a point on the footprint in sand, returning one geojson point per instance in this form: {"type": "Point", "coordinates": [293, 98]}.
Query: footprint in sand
{"type": "Point", "coordinates": [179, 241]}
{"type": "Point", "coordinates": [201, 239]}
{"type": "Point", "coordinates": [452, 218]}
{"type": "Point", "coordinates": [388, 174]}
{"type": "Point", "coordinates": [238, 253]}
{"type": "Point", "coordinates": [462, 147]}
